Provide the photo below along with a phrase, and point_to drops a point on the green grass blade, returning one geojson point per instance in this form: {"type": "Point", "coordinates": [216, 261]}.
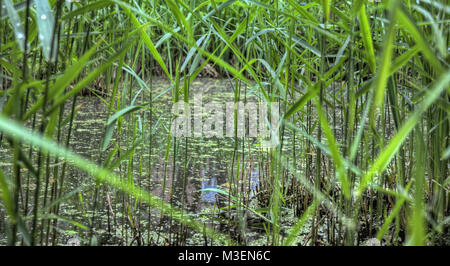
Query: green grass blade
{"type": "Point", "coordinates": [46, 26]}
{"type": "Point", "coordinates": [148, 42]}
{"type": "Point", "coordinates": [15, 22]}
{"type": "Point", "coordinates": [390, 150]}
{"type": "Point", "coordinates": [408, 22]}
{"type": "Point", "coordinates": [367, 38]}
{"type": "Point", "coordinates": [295, 230]}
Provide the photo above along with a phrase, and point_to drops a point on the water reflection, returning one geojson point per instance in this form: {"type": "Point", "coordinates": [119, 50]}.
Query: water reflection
{"type": "Point", "coordinates": [209, 196]}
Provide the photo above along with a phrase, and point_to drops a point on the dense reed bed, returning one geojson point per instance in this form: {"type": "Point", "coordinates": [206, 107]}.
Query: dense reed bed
{"type": "Point", "coordinates": [362, 144]}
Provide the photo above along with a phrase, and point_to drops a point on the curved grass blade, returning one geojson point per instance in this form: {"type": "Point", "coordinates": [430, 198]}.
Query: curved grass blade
{"type": "Point", "coordinates": [110, 125]}
{"type": "Point", "coordinates": [93, 75]}
{"type": "Point", "coordinates": [367, 38]}
{"type": "Point", "coordinates": [385, 63]}
{"type": "Point", "coordinates": [87, 8]}
{"type": "Point", "coordinates": [334, 150]}
{"type": "Point", "coordinates": [63, 81]}
{"type": "Point", "coordinates": [393, 214]}
{"type": "Point", "coordinates": [46, 26]}
{"type": "Point", "coordinates": [148, 42]}
{"type": "Point", "coordinates": [16, 23]}
{"type": "Point", "coordinates": [418, 225]}
{"type": "Point", "coordinates": [390, 150]}
{"type": "Point", "coordinates": [17, 7]}
{"type": "Point", "coordinates": [294, 231]}
{"type": "Point", "coordinates": [408, 22]}
{"type": "Point", "coordinates": [403, 59]}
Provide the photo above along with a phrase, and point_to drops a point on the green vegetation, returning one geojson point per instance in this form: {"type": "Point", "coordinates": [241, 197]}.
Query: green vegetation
{"type": "Point", "coordinates": [87, 155]}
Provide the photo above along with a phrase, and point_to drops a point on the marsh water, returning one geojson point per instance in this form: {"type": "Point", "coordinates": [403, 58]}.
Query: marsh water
{"type": "Point", "coordinates": [196, 177]}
